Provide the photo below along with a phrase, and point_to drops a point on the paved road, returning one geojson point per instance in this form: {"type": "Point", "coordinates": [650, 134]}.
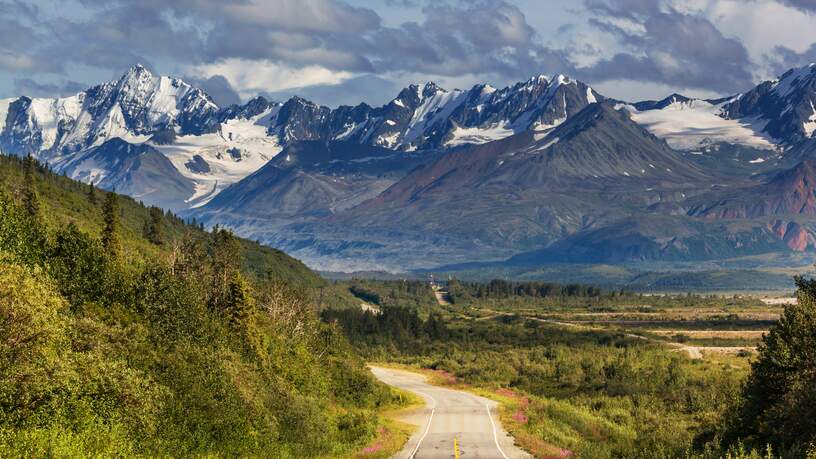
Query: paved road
{"type": "Point", "coordinates": [451, 419]}
{"type": "Point", "coordinates": [442, 296]}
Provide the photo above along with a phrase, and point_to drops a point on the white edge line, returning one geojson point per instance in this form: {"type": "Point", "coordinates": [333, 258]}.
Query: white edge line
{"type": "Point", "coordinates": [495, 437]}
{"type": "Point", "coordinates": [427, 428]}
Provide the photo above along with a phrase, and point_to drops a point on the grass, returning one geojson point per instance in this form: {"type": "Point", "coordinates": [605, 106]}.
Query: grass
{"type": "Point", "coordinates": [392, 433]}
{"type": "Point", "coordinates": [391, 438]}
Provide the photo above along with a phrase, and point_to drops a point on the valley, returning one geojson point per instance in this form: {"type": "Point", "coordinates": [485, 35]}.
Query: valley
{"type": "Point", "coordinates": [416, 229]}
{"type": "Point", "coordinates": [573, 369]}
{"type": "Point", "coordinates": [560, 370]}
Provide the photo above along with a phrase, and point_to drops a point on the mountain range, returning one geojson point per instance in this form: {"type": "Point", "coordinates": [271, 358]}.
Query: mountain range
{"type": "Point", "coordinates": [544, 171]}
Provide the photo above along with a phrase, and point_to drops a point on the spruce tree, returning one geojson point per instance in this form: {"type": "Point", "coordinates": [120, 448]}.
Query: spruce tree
{"type": "Point", "coordinates": [91, 193]}
{"type": "Point", "coordinates": [30, 199]}
{"type": "Point", "coordinates": [239, 310]}
{"type": "Point", "coordinates": [779, 399]}
{"type": "Point", "coordinates": [110, 233]}
{"type": "Point", "coordinates": [239, 303]}
{"type": "Point", "coordinates": [154, 227]}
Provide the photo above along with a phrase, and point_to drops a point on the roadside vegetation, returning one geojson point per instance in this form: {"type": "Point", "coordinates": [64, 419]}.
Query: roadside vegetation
{"type": "Point", "coordinates": [573, 385]}
{"type": "Point", "coordinates": [126, 332]}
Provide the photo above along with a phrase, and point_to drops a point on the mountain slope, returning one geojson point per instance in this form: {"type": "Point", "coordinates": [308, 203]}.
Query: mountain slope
{"type": "Point", "coordinates": [528, 190]}
{"type": "Point", "coordinates": [65, 201]}
{"type": "Point", "coordinates": [787, 103]}
{"type": "Point", "coordinates": [598, 147]}
{"type": "Point", "coordinates": [314, 178]}
{"type": "Point", "coordinates": [214, 147]}
{"type": "Point", "coordinates": [653, 237]}
{"type": "Point", "coordinates": [697, 125]}
{"type": "Point", "coordinates": [786, 202]}
{"type": "Point", "coordinates": [132, 108]}
{"type": "Point", "coordinates": [139, 171]}
{"type": "Point", "coordinates": [483, 173]}
{"type": "Point", "coordinates": [774, 114]}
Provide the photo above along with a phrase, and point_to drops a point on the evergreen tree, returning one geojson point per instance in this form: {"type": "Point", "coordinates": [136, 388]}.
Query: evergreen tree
{"type": "Point", "coordinates": [34, 231]}
{"type": "Point", "coordinates": [239, 303]}
{"type": "Point", "coordinates": [779, 404]}
{"type": "Point", "coordinates": [154, 227]}
{"type": "Point", "coordinates": [91, 193]}
{"type": "Point", "coordinates": [30, 199]}
{"type": "Point", "coordinates": [110, 233]}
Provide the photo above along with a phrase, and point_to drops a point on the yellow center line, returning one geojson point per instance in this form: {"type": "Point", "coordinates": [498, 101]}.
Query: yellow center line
{"type": "Point", "coordinates": [455, 448]}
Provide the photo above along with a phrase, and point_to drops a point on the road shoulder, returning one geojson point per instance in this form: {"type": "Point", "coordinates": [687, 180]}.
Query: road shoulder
{"type": "Point", "coordinates": [422, 417]}
{"type": "Point", "coordinates": [394, 430]}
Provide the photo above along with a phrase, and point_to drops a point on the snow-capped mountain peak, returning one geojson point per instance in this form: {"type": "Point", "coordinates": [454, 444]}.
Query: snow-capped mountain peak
{"type": "Point", "coordinates": [793, 80]}
{"type": "Point", "coordinates": [431, 89]}
{"type": "Point", "coordinates": [786, 104]}
{"type": "Point", "coordinates": [213, 147]}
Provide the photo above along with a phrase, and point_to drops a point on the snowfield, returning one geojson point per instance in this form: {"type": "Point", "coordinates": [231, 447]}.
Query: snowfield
{"type": "Point", "coordinates": [239, 148]}
{"type": "Point", "coordinates": [694, 124]}
{"type": "Point", "coordinates": [464, 136]}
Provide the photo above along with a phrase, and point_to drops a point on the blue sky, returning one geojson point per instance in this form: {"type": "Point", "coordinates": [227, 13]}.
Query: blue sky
{"type": "Point", "coordinates": [346, 51]}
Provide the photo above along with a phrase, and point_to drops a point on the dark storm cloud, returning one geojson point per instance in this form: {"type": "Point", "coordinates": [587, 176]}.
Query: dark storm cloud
{"type": "Point", "coordinates": [672, 48]}
{"type": "Point", "coordinates": [18, 39]}
{"type": "Point", "coordinates": [782, 58]}
{"type": "Point", "coordinates": [476, 37]}
{"type": "Point", "coordinates": [808, 6]}
{"type": "Point", "coordinates": [455, 38]}
{"type": "Point", "coordinates": [122, 34]}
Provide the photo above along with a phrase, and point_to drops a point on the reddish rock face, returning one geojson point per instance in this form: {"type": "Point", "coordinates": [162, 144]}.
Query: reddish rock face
{"type": "Point", "coordinates": [795, 236]}
{"type": "Point", "coordinates": [792, 192]}
{"type": "Point", "coordinates": [796, 189]}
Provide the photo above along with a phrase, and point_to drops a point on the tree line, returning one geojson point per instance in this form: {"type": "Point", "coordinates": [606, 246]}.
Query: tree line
{"type": "Point", "coordinates": [499, 288]}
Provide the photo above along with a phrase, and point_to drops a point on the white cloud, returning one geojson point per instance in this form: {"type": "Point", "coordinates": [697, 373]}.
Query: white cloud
{"type": "Point", "coordinates": [635, 91]}
{"type": "Point", "coordinates": [761, 25]}
{"type": "Point", "coordinates": [15, 62]}
{"type": "Point", "coordinates": [249, 77]}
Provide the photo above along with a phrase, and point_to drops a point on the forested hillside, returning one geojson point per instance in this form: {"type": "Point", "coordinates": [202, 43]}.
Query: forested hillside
{"type": "Point", "coordinates": [124, 331]}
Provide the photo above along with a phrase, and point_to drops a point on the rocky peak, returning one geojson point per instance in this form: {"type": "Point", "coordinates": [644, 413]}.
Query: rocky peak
{"type": "Point", "coordinates": [431, 89]}
{"type": "Point", "coordinates": [409, 96]}
{"type": "Point", "coordinates": [137, 80]}
{"type": "Point", "coordinates": [787, 103]}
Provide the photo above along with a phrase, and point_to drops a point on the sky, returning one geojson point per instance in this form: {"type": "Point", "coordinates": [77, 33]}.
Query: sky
{"type": "Point", "coordinates": [349, 51]}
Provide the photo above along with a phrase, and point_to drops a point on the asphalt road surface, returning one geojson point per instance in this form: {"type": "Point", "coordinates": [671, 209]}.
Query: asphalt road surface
{"type": "Point", "coordinates": [453, 424]}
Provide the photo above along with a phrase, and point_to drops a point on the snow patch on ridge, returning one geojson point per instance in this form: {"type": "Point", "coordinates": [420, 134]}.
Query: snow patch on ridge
{"type": "Point", "coordinates": [810, 125]}
{"type": "Point", "coordinates": [436, 107]}
{"type": "Point", "coordinates": [49, 112]}
{"type": "Point", "coordinates": [478, 135]}
{"type": "Point", "coordinates": [590, 96]}
{"type": "Point", "coordinates": [789, 82]}
{"type": "Point", "coordinates": [236, 150]}
{"type": "Point", "coordinates": [690, 125]}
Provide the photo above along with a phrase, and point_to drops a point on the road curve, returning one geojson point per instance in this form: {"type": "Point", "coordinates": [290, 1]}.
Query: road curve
{"type": "Point", "coordinates": [450, 420]}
